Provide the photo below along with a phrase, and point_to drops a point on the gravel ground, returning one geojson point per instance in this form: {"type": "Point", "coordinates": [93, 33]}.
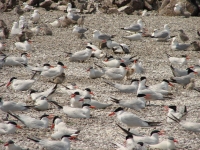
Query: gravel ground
{"type": "Point", "coordinates": [100, 131]}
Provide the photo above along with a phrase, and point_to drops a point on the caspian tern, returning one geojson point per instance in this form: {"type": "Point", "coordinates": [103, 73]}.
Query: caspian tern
{"type": "Point", "coordinates": [165, 145]}
{"type": "Point", "coordinates": [134, 37]}
{"type": "Point", "coordinates": [80, 56]}
{"type": "Point", "coordinates": [25, 46]}
{"type": "Point", "coordinates": [172, 110]}
{"type": "Point", "coordinates": [178, 60]}
{"type": "Point", "coordinates": [184, 80]}
{"type": "Point", "coordinates": [132, 88]}
{"type": "Point", "coordinates": [112, 62]}
{"type": "Point", "coordinates": [36, 95]}
{"type": "Point", "coordinates": [196, 68]}
{"type": "Point", "coordinates": [132, 120]}
{"type": "Point", "coordinates": [32, 122]}
{"type": "Point", "coordinates": [135, 27]}
{"type": "Point", "coordinates": [76, 101]}
{"type": "Point", "coordinates": [9, 127]}
{"type": "Point", "coordinates": [95, 73]}
{"type": "Point", "coordinates": [71, 112]}
{"type": "Point", "coordinates": [12, 106]}
{"type": "Point", "coordinates": [11, 146]}
{"type": "Point", "coordinates": [64, 144]}
{"type": "Point", "coordinates": [53, 72]}
{"type": "Point", "coordinates": [137, 66]}
{"type": "Point", "coordinates": [110, 44]}
{"type": "Point", "coordinates": [96, 104]}
{"type": "Point", "coordinates": [42, 103]}
{"type": "Point", "coordinates": [121, 49]}
{"type": "Point", "coordinates": [179, 72]}
{"type": "Point", "coordinates": [60, 129]}
{"type": "Point", "coordinates": [20, 85]}
{"type": "Point", "coordinates": [136, 104]}
{"type": "Point", "coordinates": [39, 69]}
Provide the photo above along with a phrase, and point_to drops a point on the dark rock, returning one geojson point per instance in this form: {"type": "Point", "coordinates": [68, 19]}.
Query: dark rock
{"type": "Point", "coordinates": [46, 4]}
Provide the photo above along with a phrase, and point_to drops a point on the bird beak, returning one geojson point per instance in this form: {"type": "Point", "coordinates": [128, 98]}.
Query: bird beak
{"type": "Point", "coordinates": [51, 66]}
{"type": "Point", "coordinates": [126, 68]}
{"type": "Point", "coordinates": [191, 67]}
{"type": "Point", "coordinates": [122, 60]}
{"type": "Point", "coordinates": [72, 137]}
{"type": "Point", "coordinates": [88, 69]}
{"type": "Point", "coordinates": [166, 108]}
{"type": "Point", "coordinates": [187, 57]}
{"type": "Point", "coordinates": [112, 114]}
{"type": "Point", "coordinates": [162, 132]}
{"type": "Point", "coordinates": [52, 126]}
{"type": "Point", "coordinates": [148, 96]}
{"type": "Point", "coordinates": [64, 66]}
{"type": "Point", "coordinates": [6, 144]}
{"type": "Point", "coordinates": [135, 61]}
{"type": "Point", "coordinates": [76, 87]}
{"type": "Point", "coordinates": [91, 93]}
{"type": "Point", "coordinates": [195, 72]}
{"type": "Point", "coordinates": [18, 126]}
{"type": "Point", "coordinates": [8, 84]}
{"type": "Point", "coordinates": [93, 107]}
{"type": "Point", "coordinates": [28, 55]}
{"type": "Point", "coordinates": [175, 141]}
{"type": "Point", "coordinates": [171, 84]}
{"type": "Point", "coordinates": [93, 49]}
{"type": "Point", "coordinates": [4, 44]}
{"type": "Point", "coordinates": [82, 99]}
{"type": "Point", "coordinates": [30, 41]}
{"type": "Point", "coordinates": [73, 95]}
{"type": "Point", "coordinates": [50, 116]}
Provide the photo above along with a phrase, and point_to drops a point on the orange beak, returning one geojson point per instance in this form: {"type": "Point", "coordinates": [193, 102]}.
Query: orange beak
{"type": "Point", "coordinates": [30, 41]}
{"type": "Point", "coordinates": [51, 66]}
{"type": "Point", "coordinates": [175, 141]}
{"type": "Point", "coordinates": [93, 107]}
{"type": "Point", "coordinates": [52, 126]}
{"type": "Point", "coordinates": [171, 84]}
{"type": "Point", "coordinates": [122, 60]}
{"type": "Point", "coordinates": [187, 57]}
{"type": "Point", "coordinates": [162, 132]}
{"type": "Point", "coordinates": [72, 138]}
{"type": "Point", "coordinates": [82, 99]}
{"type": "Point", "coordinates": [28, 55]}
{"type": "Point", "coordinates": [135, 61]}
{"type": "Point", "coordinates": [148, 96]}
{"type": "Point", "coordinates": [93, 49]}
{"type": "Point", "coordinates": [73, 95]}
{"type": "Point", "coordinates": [191, 67]}
{"type": "Point", "coordinates": [126, 68]}
{"type": "Point", "coordinates": [75, 87]}
{"type": "Point", "coordinates": [106, 60]}
{"type": "Point", "coordinates": [91, 93]}
{"type": "Point", "coordinates": [166, 108]}
{"type": "Point", "coordinates": [50, 116]}
{"type": "Point", "coordinates": [6, 144]}
{"type": "Point", "coordinates": [8, 84]}
{"type": "Point", "coordinates": [88, 69]}
{"type": "Point", "coordinates": [195, 72]}
{"type": "Point", "coordinates": [18, 126]}
{"type": "Point", "coordinates": [112, 114]}
{"type": "Point", "coordinates": [64, 66]}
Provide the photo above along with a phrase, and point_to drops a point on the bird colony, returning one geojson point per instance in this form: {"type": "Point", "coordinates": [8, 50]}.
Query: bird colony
{"type": "Point", "coordinates": [104, 82]}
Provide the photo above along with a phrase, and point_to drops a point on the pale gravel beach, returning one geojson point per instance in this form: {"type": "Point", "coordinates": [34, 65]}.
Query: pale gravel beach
{"type": "Point", "coordinates": [100, 131]}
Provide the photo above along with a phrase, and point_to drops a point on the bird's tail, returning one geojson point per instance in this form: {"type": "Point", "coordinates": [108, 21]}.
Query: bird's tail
{"type": "Point", "coordinates": [55, 103]}
{"type": "Point", "coordinates": [34, 139]}
{"type": "Point", "coordinates": [68, 54]}
{"type": "Point", "coordinates": [109, 83]}
{"type": "Point", "coordinates": [172, 80]}
{"type": "Point", "coordinates": [153, 124]}
{"type": "Point", "coordinates": [98, 65]}
{"type": "Point", "coordinates": [168, 56]}
{"type": "Point", "coordinates": [115, 100]}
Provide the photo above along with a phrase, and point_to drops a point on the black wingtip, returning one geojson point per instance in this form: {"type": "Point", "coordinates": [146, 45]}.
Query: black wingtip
{"type": "Point", "coordinates": [115, 100]}
{"type": "Point", "coordinates": [126, 131]}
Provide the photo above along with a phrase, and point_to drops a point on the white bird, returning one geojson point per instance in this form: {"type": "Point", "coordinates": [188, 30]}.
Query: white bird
{"type": "Point", "coordinates": [162, 35]}
{"type": "Point", "coordinates": [38, 68]}
{"type": "Point", "coordinates": [80, 55]}
{"type": "Point", "coordinates": [12, 106]}
{"type": "Point", "coordinates": [25, 46]}
{"type": "Point", "coordinates": [71, 112]}
{"type": "Point", "coordinates": [42, 104]}
{"type": "Point", "coordinates": [100, 37]}
{"type": "Point", "coordinates": [95, 73]}
{"type": "Point", "coordinates": [142, 84]}
{"type": "Point", "coordinates": [110, 44]}
{"type": "Point", "coordinates": [132, 88]}
{"type": "Point", "coordinates": [73, 16]}
{"type": "Point", "coordinates": [165, 145]}
{"type": "Point", "coordinates": [69, 8]}
{"type": "Point", "coordinates": [9, 127]}
{"type": "Point", "coordinates": [36, 95]}
{"type": "Point", "coordinates": [187, 125]}
{"type": "Point", "coordinates": [35, 16]}
{"type": "Point", "coordinates": [144, 13]}
{"type": "Point", "coordinates": [97, 52]}
{"type": "Point", "coordinates": [196, 68]}
{"type": "Point", "coordinates": [15, 30]}
{"type": "Point", "coordinates": [179, 72]}
{"type": "Point", "coordinates": [137, 66]}
{"type": "Point", "coordinates": [121, 49]}
{"type": "Point", "coordinates": [22, 22]}
{"type": "Point", "coordinates": [16, 61]}
{"type": "Point", "coordinates": [184, 80]}
{"type": "Point", "coordinates": [76, 101]}
{"type": "Point", "coordinates": [135, 27]}
{"type": "Point", "coordinates": [35, 30]}
{"type": "Point", "coordinates": [20, 85]}
{"type": "Point", "coordinates": [172, 111]}
{"type": "Point", "coordinates": [10, 145]}
{"type": "Point", "coordinates": [179, 46]}
{"type": "Point", "coordinates": [136, 104]}
{"type": "Point", "coordinates": [96, 104]}
{"type": "Point", "coordinates": [64, 144]}
{"type": "Point", "coordinates": [131, 120]}
{"type": "Point", "coordinates": [134, 37]}
{"type": "Point", "coordinates": [79, 31]}
{"type": "Point", "coordinates": [30, 122]}
{"type": "Point", "coordinates": [112, 62]}
{"type": "Point", "coordinates": [28, 7]}
{"type": "Point", "coordinates": [56, 23]}
{"type": "Point", "coordinates": [54, 72]}
{"type": "Point", "coordinates": [178, 60]}
{"type": "Point", "coordinates": [177, 8]}
{"type": "Point", "coordinates": [115, 73]}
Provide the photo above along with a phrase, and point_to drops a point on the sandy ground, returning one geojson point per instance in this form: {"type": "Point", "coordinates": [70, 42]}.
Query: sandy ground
{"type": "Point", "coordinates": [100, 131]}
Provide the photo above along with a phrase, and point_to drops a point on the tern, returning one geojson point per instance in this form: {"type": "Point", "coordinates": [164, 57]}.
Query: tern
{"type": "Point", "coordinates": [96, 104]}
{"type": "Point", "coordinates": [132, 88]}
{"type": "Point", "coordinates": [95, 73]}
{"type": "Point", "coordinates": [112, 62]}
{"type": "Point", "coordinates": [35, 17]}
{"type": "Point", "coordinates": [76, 101]}
{"type": "Point", "coordinates": [137, 66]}
{"type": "Point", "coordinates": [9, 127]}
{"type": "Point", "coordinates": [179, 72]}
{"type": "Point", "coordinates": [132, 120]}
{"type": "Point", "coordinates": [11, 146]}
{"type": "Point", "coordinates": [176, 60]}
{"type": "Point", "coordinates": [25, 46]}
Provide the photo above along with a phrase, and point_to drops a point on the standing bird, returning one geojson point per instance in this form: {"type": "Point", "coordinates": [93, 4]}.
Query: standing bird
{"type": "Point", "coordinates": [182, 36]}
{"type": "Point", "coordinates": [79, 31]}
{"type": "Point", "coordinates": [81, 21]}
{"type": "Point", "coordinates": [35, 16]}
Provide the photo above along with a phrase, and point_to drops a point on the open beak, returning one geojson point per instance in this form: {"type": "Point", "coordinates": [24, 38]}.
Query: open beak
{"type": "Point", "coordinates": [50, 117]}
{"type": "Point", "coordinates": [52, 126]}
{"type": "Point", "coordinates": [93, 107]}
{"type": "Point", "coordinates": [64, 66]}
{"type": "Point", "coordinates": [166, 108]}
{"type": "Point", "coordinates": [91, 93]}
{"type": "Point", "coordinates": [82, 99]}
{"type": "Point", "coordinates": [18, 126]}
{"type": "Point", "coordinates": [8, 84]}
{"type": "Point", "coordinates": [171, 84]}
{"type": "Point", "coordinates": [6, 144]}
{"type": "Point", "coordinates": [112, 114]}
{"type": "Point", "coordinates": [175, 141]}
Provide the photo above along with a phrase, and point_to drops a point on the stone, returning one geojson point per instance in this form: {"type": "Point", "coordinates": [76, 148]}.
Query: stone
{"type": "Point", "coordinates": [127, 9]}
